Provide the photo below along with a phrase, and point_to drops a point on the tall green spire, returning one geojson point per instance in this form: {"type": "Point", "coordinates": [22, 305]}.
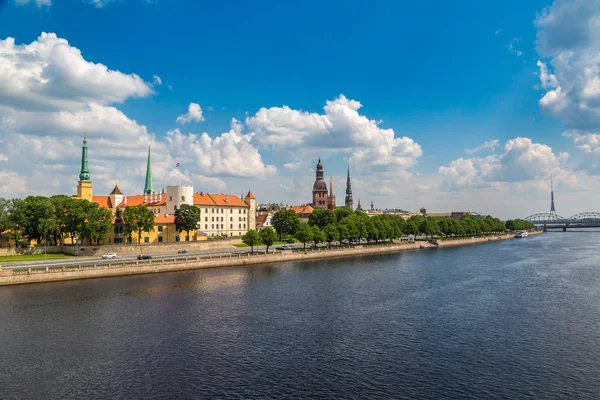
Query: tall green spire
{"type": "Point", "coordinates": [349, 202]}
{"type": "Point", "coordinates": [84, 174]}
{"type": "Point", "coordinates": [148, 188]}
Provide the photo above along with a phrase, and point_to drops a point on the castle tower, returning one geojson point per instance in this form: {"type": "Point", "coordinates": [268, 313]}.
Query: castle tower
{"type": "Point", "coordinates": [331, 197]}
{"type": "Point", "coordinates": [148, 188]}
{"type": "Point", "coordinates": [251, 201]}
{"type": "Point", "coordinates": [348, 201]}
{"type": "Point", "coordinates": [116, 197]}
{"type": "Point", "coordinates": [84, 186]}
{"type": "Point", "coordinates": [319, 192]}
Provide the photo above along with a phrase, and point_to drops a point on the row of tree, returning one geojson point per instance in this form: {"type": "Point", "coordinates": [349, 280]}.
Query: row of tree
{"type": "Point", "coordinates": [519, 225]}
{"type": "Point", "coordinates": [345, 224]}
{"type": "Point", "coordinates": [54, 219]}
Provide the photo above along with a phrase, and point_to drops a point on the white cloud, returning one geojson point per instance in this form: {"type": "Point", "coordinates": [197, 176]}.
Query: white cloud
{"type": "Point", "coordinates": [49, 74]}
{"type": "Point", "coordinates": [291, 165]}
{"type": "Point", "coordinates": [194, 114]}
{"type": "Point", "coordinates": [568, 36]}
{"type": "Point", "coordinates": [490, 144]}
{"type": "Point", "coordinates": [522, 160]}
{"type": "Point", "coordinates": [39, 3]}
{"type": "Point", "coordinates": [157, 80]}
{"type": "Point", "coordinates": [3, 157]}
{"type": "Point", "coordinates": [511, 47]}
{"type": "Point", "coordinates": [341, 129]}
{"type": "Point", "coordinates": [229, 154]}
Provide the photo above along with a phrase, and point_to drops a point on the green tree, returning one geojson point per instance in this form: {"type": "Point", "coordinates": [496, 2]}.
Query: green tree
{"type": "Point", "coordinates": [285, 222]}
{"type": "Point", "coordinates": [304, 234]}
{"type": "Point", "coordinates": [343, 231]}
{"type": "Point", "coordinates": [268, 236]}
{"type": "Point", "coordinates": [331, 234]}
{"type": "Point", "coordinates": [321, 218]}
{"type": "Point", "coordinates": [99, 223]}
{"type": "Point", "coordinates": [342, 212]}
{"type": "Point", "coordinates": [138, 219]}
{"type": "Point", "coordinates": [317, 235]}
{"type": "Point", "coordinates": [187, 218]}
{"type": "Point", "coordinates": [251, 238]}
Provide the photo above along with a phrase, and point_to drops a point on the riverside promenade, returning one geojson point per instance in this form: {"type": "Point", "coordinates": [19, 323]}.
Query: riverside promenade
{"type": "Point", "coordinates": [39, 274]}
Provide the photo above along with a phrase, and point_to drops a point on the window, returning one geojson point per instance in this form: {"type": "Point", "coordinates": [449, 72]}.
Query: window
{"type": "Point", "coordinates": [146, 239]}
{"type": "Point", "coordinates": [239, 218]}
{"type": "Point", "coordinates": [231, 226]}
{"type": "Point", "coordinates": [230, 219]}
{"type": "Point", "coordinates": [206, 210]}
{"type": "Point", "coordinates": [177, 238]}
{"type": "Point", "coordinates": [212, 226]}
{"type": "Point", "coordinates": [160, 239]}
{"type": "Point", "coordinates": [205, 219]}
{"type": "Point", "coordinates": [222, 210]}
{"type": "Point", "coordinates": [175, 208]}
{"type": "Point", "coordinates": [213, 219]}
{"type": "Point", "coordinates": [221, 226]}
{"type": "Point", "coordinates": [160, 228]}
{"type": "Point", "coordinates": [244, 226]}
{"type": "Point", "coordinates": [170, 198]}
{"type": "Point", "coordinates": [221, 219]}
{"type": "Point", "coordinates": [182, 198]}
{"type": "Point", "coordinates": [187, 238]}
{"type": "Point", "coordinates": [239, 210]}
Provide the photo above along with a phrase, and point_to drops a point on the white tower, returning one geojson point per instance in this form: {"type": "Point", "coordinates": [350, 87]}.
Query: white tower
{"type": "Point", "coordinates": [177, 196]}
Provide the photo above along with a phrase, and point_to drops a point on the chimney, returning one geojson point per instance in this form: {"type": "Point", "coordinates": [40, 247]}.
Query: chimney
{"type": "Point", "coordinates": [145, 198]}
{"type": "Point", "coordinates": [125, 200]}
{"type": "Point", "coordinates": [227, 198]}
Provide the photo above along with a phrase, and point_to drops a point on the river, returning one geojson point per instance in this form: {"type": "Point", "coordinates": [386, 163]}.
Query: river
{"type": "Point", "coordinates": [515, 319]}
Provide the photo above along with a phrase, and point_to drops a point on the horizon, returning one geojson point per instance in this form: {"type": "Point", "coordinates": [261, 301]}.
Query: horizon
{"type": "Point", "coordinates": [453, 107]}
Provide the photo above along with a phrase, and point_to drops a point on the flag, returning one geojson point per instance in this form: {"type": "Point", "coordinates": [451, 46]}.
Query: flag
{"type": "Point", "coordinates": [177, 165]}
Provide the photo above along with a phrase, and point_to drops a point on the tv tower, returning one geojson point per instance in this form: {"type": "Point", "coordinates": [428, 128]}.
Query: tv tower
{"type": "Point", "coordinates": [552, 208]}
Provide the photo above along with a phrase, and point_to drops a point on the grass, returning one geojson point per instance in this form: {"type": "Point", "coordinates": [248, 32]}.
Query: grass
{"type": "Point", "coordinates": [240, 245]}
{"type": "Point", "coordinates": [34, 257]}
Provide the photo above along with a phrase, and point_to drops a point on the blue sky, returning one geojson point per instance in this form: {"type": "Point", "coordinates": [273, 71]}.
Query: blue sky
{"type": "Point", "coordinates": [448, 76]}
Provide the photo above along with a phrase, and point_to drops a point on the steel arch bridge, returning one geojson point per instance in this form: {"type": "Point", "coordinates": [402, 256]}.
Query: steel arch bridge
{"type": "Point", "coordinates": [581, 220]}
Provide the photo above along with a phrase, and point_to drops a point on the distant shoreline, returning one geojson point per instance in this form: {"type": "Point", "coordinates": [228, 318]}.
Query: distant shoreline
{"type": "Point", "coordinates": [52, 274]}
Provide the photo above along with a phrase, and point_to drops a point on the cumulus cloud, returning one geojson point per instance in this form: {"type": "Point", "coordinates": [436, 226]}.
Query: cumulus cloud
{"type": "Point", "coordinates": [50, 75]}
{"type": "Point", "coordinates": [228, 154]}
{"type": "Point", "coordinates": [567, 35]}
{"type": "Point", "coordinates": [342, 129]}
{"type": "Point", "coordinates": [522, 160]}
{"type": "Point", "coordinates": [194, 114]}
{"type": "Point", "coordinates": [291, 165]}
{"type": "Point", "coordinates": [589, 145]}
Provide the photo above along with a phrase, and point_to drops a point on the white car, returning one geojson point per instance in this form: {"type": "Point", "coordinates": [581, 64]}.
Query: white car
{"type": "Point", "coordinates": [109, 255]}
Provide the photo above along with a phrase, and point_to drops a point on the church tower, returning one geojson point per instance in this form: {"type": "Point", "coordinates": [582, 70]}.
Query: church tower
{"type": "Point", "coordinates": [319, 192]}
{"type": "Point", "coordinates": [84, 186]}
{"type": "Point", "coordinates": [148, 188]}
{"type": "Point", "coordinates": [348, 201]}
{"type": "Point", "coordinates": [331, 197]}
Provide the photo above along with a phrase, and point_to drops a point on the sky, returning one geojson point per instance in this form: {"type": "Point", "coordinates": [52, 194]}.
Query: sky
{"type": "Point", "coordinates": [451, 106]}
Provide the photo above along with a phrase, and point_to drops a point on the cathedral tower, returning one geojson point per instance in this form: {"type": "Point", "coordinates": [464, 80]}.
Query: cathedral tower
{"type": "Point", "coordinates": [319, 192]}
{"type": "Point", "coordinates": [84, 186]}
{"type": "Point", "coordinates": [331, 197]}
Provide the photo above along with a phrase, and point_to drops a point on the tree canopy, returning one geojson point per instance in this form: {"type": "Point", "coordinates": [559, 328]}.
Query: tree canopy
{"type": "Point", "coordinates": [187, 218]}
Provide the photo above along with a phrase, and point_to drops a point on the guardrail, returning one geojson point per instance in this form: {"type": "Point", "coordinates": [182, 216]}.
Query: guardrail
{"type": "Point", "coordinates": [184, 259]}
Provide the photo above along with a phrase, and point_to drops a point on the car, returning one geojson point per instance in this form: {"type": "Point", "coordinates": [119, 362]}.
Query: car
{"type": "Point", "coordinates": [284, 247]}
{"type": "Point", "coordinates": [144, 257]}
{"type": "Point", "coordinates": [182, 252]}
{"type": "Point", "coordinates": [109, 255]}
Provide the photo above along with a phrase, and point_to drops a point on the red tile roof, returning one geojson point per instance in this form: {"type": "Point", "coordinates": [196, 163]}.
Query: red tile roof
{"type": "Point", "coordinates": [164, 220]}
{"type": "Point", "coordinates": [102, 201]}
{"type": "Point", "coordinates": [250, 195]}
{"type": "Point", "coordinates": [306, 209]}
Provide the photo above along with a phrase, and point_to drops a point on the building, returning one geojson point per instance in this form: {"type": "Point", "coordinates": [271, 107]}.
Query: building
{"type": "Point", "coordinates": [348, 202]}
{"type": "Point", "coordinates": [220, 214]}
{"type": "Point", "coordinates": [264, 219]}
{"type": "Point", "coordinates": [303, 211]}
{"type": "Point", "coordinates": [322, 198]}
{"type": "Point", "coordinates": [453, 214]}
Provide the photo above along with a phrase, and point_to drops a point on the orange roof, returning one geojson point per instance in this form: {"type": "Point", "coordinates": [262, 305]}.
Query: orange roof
{"type": "Point", "coordinates": [250, 195]}
{"type": "Point", "coordinates": [132, 201]}
{"type": "Point", "coordinates": [164, 220]}
{"type": "Point", "coordinates": [102, 201]}
{"type": "Point", "coordinates": [302, 209]}
{"type": "Point", "coordinates": [207, 199]}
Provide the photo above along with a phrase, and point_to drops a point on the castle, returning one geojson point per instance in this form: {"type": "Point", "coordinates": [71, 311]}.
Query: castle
{"type": "Point", "coordinates": [220, 214]}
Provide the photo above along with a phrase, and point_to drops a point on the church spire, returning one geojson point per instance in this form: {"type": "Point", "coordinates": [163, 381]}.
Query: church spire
{"type": "Point", "coordinates": [84, 174]}
{"type": "Point", "coordinates": [148, 188]}
{"type": "Point", "coordinates": [349, 202]}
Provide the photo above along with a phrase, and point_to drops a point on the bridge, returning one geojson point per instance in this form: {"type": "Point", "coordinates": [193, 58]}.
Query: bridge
{"type": "Point", "coordinates": [555, 221]}
{"type": "Point", "coordinates": [552, 220]}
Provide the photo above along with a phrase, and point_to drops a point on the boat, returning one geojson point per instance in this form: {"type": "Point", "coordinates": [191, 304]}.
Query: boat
{"type": "Point", "coordinates": [522, 235]}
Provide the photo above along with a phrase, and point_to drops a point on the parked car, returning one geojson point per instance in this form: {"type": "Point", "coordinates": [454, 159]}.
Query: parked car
{"type": "Point", "coordinates": [109, 255]}
{"type": "Point", "coordinates": [144, 257]}
{"type": "Point", "coordinates": [285, 247]}
{"type": "Point", "coordinates": [182, 252]}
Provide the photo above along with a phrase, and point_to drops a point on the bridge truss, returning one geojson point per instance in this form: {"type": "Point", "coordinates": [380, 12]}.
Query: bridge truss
{"type": "Point", "coordinates": [551, 219]}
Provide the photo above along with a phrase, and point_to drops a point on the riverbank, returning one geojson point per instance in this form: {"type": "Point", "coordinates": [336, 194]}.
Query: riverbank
{"type": "Point", "coordinates": [71, 272]}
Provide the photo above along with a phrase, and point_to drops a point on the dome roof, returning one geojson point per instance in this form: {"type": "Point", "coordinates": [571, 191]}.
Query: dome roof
{"type": "Point", "coordinates": [320, 185]}
{"type": "Point", "coordinates": [319, 165]}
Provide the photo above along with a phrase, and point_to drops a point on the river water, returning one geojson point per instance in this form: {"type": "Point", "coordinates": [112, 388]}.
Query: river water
{"type": "Point", "coordinates": [517, 319]}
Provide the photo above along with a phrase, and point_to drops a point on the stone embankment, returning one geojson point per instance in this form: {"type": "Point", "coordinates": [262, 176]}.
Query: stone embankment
{"type": "Point", "coordinates": [70, 272]}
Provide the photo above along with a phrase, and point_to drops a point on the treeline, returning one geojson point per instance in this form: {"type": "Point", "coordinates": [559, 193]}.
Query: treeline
{"type": "Point", "coordinates": [53, 219]}
{"type": "Point", "coordinates": [519, 225]}
{"type": "Point", "coordinates": [345, 224]}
